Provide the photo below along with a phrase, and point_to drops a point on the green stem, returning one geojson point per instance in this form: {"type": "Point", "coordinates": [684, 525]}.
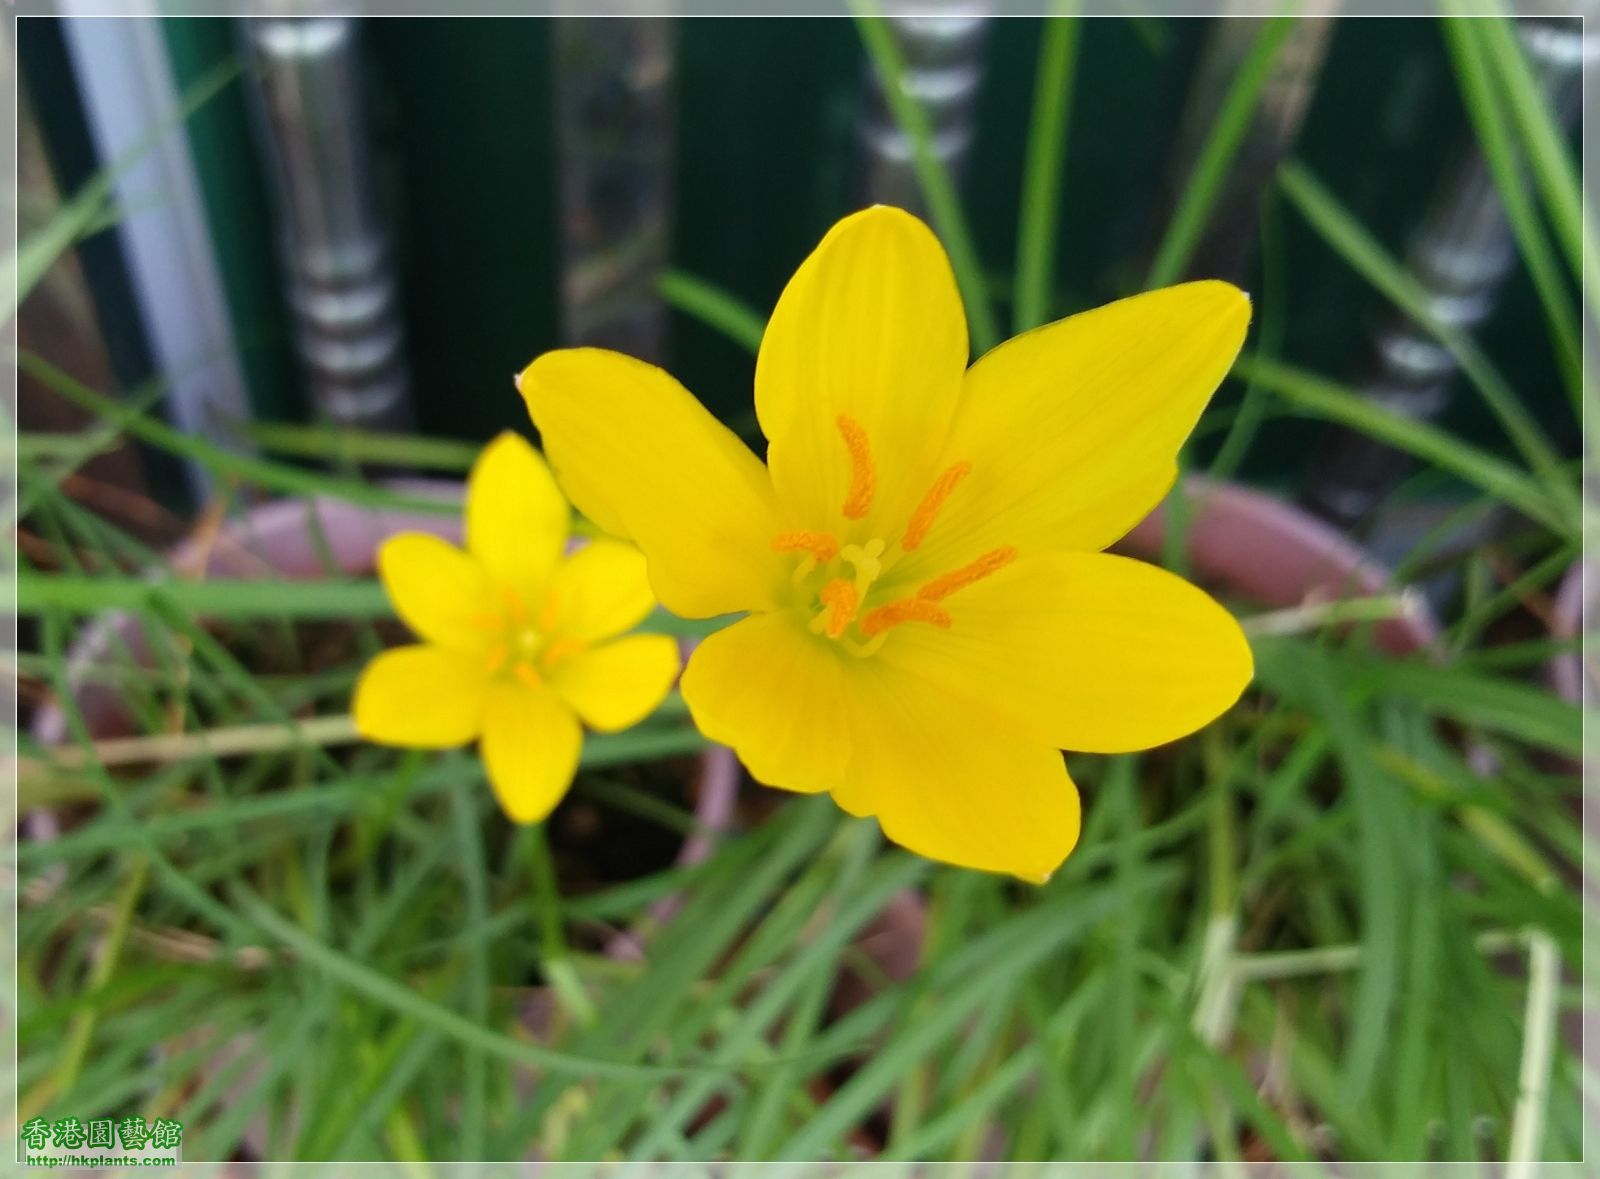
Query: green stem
{"type": "Point", "coordinates": [555, 958]}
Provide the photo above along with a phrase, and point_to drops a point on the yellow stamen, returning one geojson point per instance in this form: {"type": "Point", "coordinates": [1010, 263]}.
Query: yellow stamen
{"type": "Point", "coordinates": [922, 519]}
{"type": "Point", "coordinates": [549, 612]}
{"type": "Point", "coordinates": [528, 676]}
{"type": "Point", "coordinates": [863, 478]}
{"type": "Point", "coordinates": [842, 601]}
{"type": "Point", "coordinates": [942, 587]}
{"type": "Point", "coordinates": [820, 545]}
{"type": "Point", "coordinates": [905, 610]}
{"type": "Point", "coordinates": [866, 560]}
{"type": "Point", "coordinates": [496, 658]}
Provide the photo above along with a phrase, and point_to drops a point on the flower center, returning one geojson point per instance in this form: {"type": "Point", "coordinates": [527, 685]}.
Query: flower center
{"type": "Point", "coordinates": [522, 648]}
{"type": "Point", "coordinates": [835, 581]}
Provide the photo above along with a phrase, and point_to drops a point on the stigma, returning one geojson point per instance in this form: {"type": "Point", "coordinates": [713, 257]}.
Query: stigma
{"type": "Point", "coordinates": [520, 648]}
{"type": "Point", "coordinates": [836, 580]}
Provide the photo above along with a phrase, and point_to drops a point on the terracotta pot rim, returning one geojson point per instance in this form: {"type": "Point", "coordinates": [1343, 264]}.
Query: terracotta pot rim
{"type": "Point", "coordinates": [1230, 526]}
{"type": "Point", "coordinates": [1574, 599]}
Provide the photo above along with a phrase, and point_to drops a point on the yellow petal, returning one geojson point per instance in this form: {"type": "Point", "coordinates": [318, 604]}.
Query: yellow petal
{"type": "Point", "coordinates": [420, 698]}
{"type": "Point", "coordinates": [952, 780]}
{"type": "Point", "coordinates": [619, 684]}
{"type": "Point", "coordinates": [517, 518]}
{"type": "Point", "coordinates": [870, 327]}
{"type": "Point", "coordinates": [600, 591]}
{"type": "Point", "coordinates": [1089, 651]}
{"type": "Point", "coordinates": [778, 696]}
{"type": "Point", "coordinates": [439, 591]}
{"type": "Point", "coordinates": [947, 777]}
{"type": "Point", "coordinates": [531, 741]}
{"type": "Point", "coordinates": [644, 460]}
{"type": "Point", "coordinates": [1073, 429]}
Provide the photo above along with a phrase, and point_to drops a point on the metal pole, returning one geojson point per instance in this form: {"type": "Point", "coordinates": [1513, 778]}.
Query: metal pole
{"type": "Point", "coordinates": [1460, 255]}
{"type": "Point", "coordinates": [1228, 245]}
{"type": "Point", "coordinates": [942, 46]}
{"type": "Point", "coordinates": [614, 141]}
{"type": "Point", "coordinates": [340, 274]}
{"type": "Point", "coordinates": [125, 78]}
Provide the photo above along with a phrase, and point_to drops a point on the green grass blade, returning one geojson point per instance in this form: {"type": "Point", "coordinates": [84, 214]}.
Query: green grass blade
{"type": "Point", "coordinates": [1304, 674]}
{"type": "Point", "coordinates": [91, 209]}
{"type": "Point", "coordinates": [40, 592]}
{"type": "Point", "coordinates": [272, 476]}
{"type": "Point", "coordinates": [1222, 142]}
{"type": "Point", "coordinates": [938, 186]}
{"type": "Point", "coordinates": [1363, 254]}
{"type": "Point", "coordinates": [1272, 316]}
{"type": "Point", "coordinates": [401, 999]}
{"type": "Point", "coordinates": [475, 887]}
{"type": "Point", "coordinates": [1039, 216]}
{"type": "Point", "coordinates": [1466, 44]}
{"type": "Point", "coordinates": [713, 307]}
{"type": "Point", "coordinates": [1554, 170]}
{"type": "Point", "coordinates": [352, 447]}
{"type": "Point", "coordinates": [1320, 398]}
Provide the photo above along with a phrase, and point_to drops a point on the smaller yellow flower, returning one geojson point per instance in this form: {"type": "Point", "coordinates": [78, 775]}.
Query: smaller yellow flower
{"type": "Point", "coordinates": [519, 640]}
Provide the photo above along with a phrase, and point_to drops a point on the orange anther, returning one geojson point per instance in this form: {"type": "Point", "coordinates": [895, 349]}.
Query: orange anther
{"type": "Point", "coordinates": [863, 478]}
{"type": "Point", "coordinates": [819, 544]}
{"type": "Point", "coordinates": [496, 658]}
{"type": "Point", "coordinates": [842, 601]}
{"type": "Point", "coordinates": [905, 610]}
{"type": "Point", "coordinates": [515, 609]}
{"type": "Point", "coordinates": [529, 676]}
{"type": "Point", "coordinates": [922, 519]}
{"type": "Point", "coordinates": [942, 587]}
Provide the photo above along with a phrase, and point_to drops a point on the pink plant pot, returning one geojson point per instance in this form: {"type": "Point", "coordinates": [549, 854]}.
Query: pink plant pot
{"type": "Point", "coordinates": [1575, 598]}
{"type": "Point", "coordinates": [292, 539]}
{"type": "Point", "coordinates": [1255, 546]}
{"type": "Point", "coordinates": [277, 539]}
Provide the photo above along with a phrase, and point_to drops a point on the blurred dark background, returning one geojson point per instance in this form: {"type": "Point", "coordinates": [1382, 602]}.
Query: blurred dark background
{"type": "Point", "coordinates": [400, 213]}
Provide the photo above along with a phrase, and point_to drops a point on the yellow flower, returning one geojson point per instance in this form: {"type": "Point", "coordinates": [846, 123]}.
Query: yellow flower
{"type": "Point", "coordinates": [518, 639]}
{"type": "Point", "coordinates": [930, 618]}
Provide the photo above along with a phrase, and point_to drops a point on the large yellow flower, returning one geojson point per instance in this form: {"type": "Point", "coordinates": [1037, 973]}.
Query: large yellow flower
{"type": "Point", "coordinates": [518, 638]}
{"type": "Point", "coordinates": [930, 618]}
